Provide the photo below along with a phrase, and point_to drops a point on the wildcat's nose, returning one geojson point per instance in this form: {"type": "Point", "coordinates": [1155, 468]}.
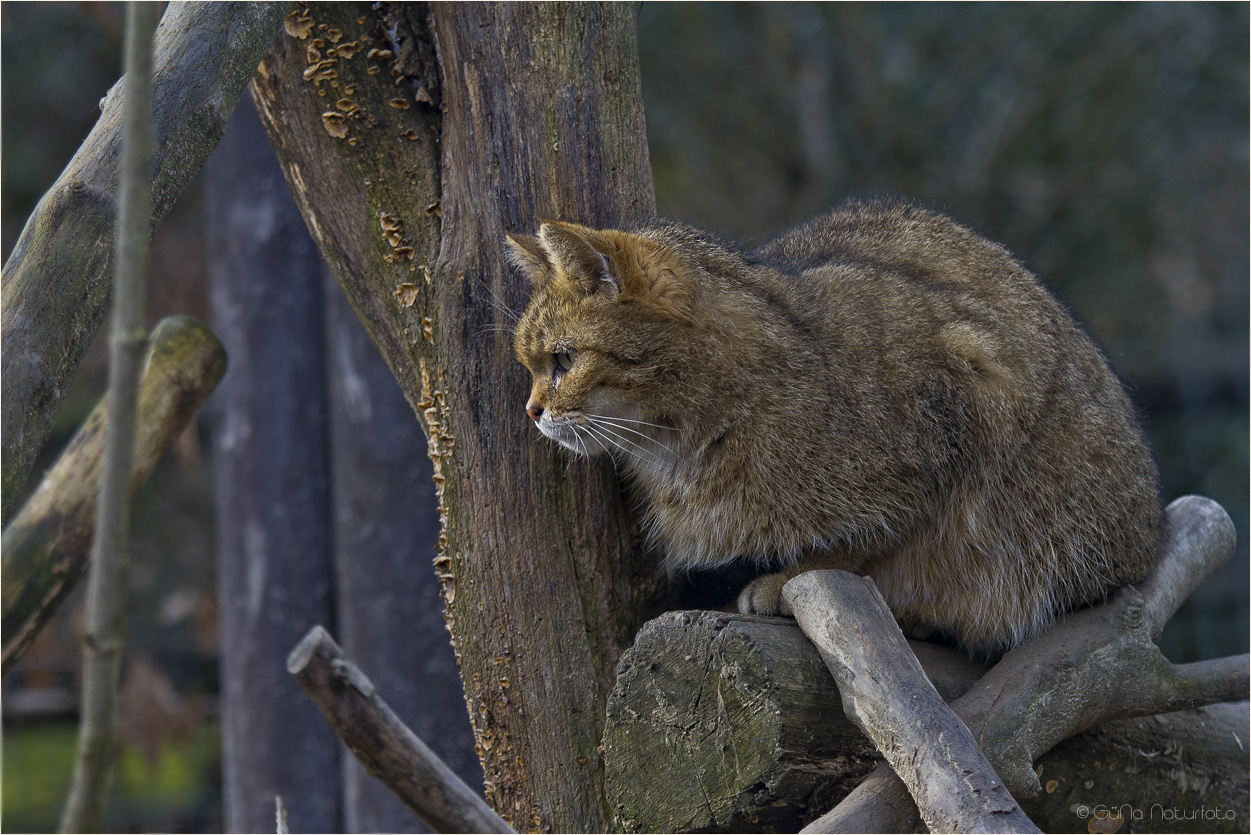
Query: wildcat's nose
{"type": "Point", "coordinates": [535, 412]}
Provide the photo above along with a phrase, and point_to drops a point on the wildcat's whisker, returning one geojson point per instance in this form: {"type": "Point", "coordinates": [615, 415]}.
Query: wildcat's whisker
{"type": "Point", "coordinates": [498, 303]}
{"type": "Point", "coordinates": [605, 440]}
{"type": "Point", "coordinates": [607, 443]}
{"type": "Point", "coordinates": [632, 420]}
{"type": "Point", "coordinates": [599, 419]}
{"type": "Point", "coordinates": [642, 454]}
{"type": "Point", "coordinates": [496, 328]}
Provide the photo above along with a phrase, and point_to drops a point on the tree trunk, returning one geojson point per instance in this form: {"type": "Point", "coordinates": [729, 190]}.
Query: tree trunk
{"type": "Point", "coordinates": [409, 170]}
{"type": "Point", "coordinates": [271, 463]}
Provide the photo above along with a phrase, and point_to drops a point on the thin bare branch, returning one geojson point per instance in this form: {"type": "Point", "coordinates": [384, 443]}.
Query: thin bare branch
{"type": "Point", "coordinates": [106, 596]}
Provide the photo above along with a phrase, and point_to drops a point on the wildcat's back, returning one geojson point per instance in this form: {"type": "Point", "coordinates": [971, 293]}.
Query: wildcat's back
{"type": "Point", "coordinates": [878, 390]}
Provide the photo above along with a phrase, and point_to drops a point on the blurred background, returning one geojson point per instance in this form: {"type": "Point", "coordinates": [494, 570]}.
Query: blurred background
{"type": "Point", "coordinates": [1105, 144]}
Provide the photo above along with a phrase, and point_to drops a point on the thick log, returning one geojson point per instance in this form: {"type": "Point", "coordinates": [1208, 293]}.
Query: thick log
{"type": "Point", "coordinates": [410, 165]}
{"type": "Point", "coordinates": [56, 282]}
{"type": "Point", "coordinates": [726, 722]}
{"type": "Point", "coordinates": [386, 746]}
{"type": "Point", "coordinates": [46, 547]}
{"type": "Point", "coordinates": [887, 694]}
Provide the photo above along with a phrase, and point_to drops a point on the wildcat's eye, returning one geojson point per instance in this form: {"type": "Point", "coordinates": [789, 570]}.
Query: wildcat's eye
{"type": "Point", "coordinates": [565, 360]}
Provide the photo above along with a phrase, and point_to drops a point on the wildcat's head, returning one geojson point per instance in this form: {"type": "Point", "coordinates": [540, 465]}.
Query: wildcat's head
{"type": "Point", "coordinates": [605, 337]}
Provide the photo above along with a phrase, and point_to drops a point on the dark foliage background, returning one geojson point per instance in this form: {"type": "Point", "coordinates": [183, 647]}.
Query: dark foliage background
{"type": "Point", "coordinates": [1106, 144]}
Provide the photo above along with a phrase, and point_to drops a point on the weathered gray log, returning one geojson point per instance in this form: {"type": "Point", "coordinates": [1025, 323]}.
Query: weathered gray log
{"type": "Point", "coordinates": [56, 281]}
{"type": "Point", "coordinates": [888, 696]}
{"type": "Point", "coordinates": [47, 544]}
{"type": "Point", "coordinates": [772, 745]}
{"type": "Point", "coordinates": [1102, 663]}
{"type": "Point", "coordinates": [385, 745]}
{"type": "Point", "coordinates": [733, 721]}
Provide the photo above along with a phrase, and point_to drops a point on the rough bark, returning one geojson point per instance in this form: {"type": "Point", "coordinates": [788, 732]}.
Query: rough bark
{"type": "Point", "coordinates": [387, 747]}
{"type": "Point", "coordinates": [56, 281]}
{"type": "Point", "coordinates": [732, 760]}
{"type": "Point", "coordinates": [46, 545]}
{"type": "Point", "coordinates": [888, 696]}
{"type": "Point", "coordinates": [271, 465]}
{"type": "Point", "coordinates": [409, 176]}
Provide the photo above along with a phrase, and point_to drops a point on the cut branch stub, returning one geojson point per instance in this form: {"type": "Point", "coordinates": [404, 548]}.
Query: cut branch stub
{"type": "Point", "coordinates": [722, 721]}
{"type": "Point", "coordinates": [386, 746]}
{"type": "Point", "coordinates": [45, 548]}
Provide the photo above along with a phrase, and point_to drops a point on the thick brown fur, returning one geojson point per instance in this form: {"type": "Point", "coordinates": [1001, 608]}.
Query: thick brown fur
{"type": "Point", "coordinates": [879, 390]}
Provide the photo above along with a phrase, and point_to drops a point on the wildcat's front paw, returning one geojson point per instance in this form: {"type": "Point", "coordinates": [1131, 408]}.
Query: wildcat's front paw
{"type": "Point", "coordinates": [763, 596]}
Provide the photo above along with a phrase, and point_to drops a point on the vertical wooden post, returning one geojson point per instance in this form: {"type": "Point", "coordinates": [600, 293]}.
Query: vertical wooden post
{"type": "Point", "coordinates": [274, 534]}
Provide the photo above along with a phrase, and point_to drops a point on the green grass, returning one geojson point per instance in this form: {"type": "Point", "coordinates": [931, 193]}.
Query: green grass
{"type": "Point", "coordinates": [178, 791]}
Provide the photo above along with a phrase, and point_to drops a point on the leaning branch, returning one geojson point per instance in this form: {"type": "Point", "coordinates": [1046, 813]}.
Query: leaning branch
{"type": "Point", "coordinates": [56, 282]}
{"type": "Point", "coordinates": [386, 746]}
{"type": "Point", "coordinates": [887, 694]}
{"type": "Point", "coordinates": [46, 545]}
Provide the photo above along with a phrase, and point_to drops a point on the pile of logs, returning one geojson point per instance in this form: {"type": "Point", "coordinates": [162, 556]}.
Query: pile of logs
{"type": "Point", "coordinates": [726, 722]}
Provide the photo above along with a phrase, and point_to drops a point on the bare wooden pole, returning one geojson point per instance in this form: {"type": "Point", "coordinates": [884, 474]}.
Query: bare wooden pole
{"type": "Point", "coordinates": [46, 546]}
{"type": "Point", "coordinates": [106, 598]}
{"type": "Point", "coordinates": [386, 746]}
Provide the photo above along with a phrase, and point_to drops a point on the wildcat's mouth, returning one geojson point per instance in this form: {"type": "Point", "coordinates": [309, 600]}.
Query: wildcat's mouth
{"type": "Point", "coordinates": [565, 432]}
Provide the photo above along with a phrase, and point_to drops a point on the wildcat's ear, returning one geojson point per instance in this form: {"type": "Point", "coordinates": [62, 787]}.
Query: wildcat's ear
{"type": "Point", "coordinates": [525, 252]}
{"type": "Point", "coordinates": [580, 255]}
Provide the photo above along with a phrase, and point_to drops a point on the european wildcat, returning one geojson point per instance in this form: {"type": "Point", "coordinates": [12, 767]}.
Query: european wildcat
{"type": "Point", "coordinates": [879, 390]}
